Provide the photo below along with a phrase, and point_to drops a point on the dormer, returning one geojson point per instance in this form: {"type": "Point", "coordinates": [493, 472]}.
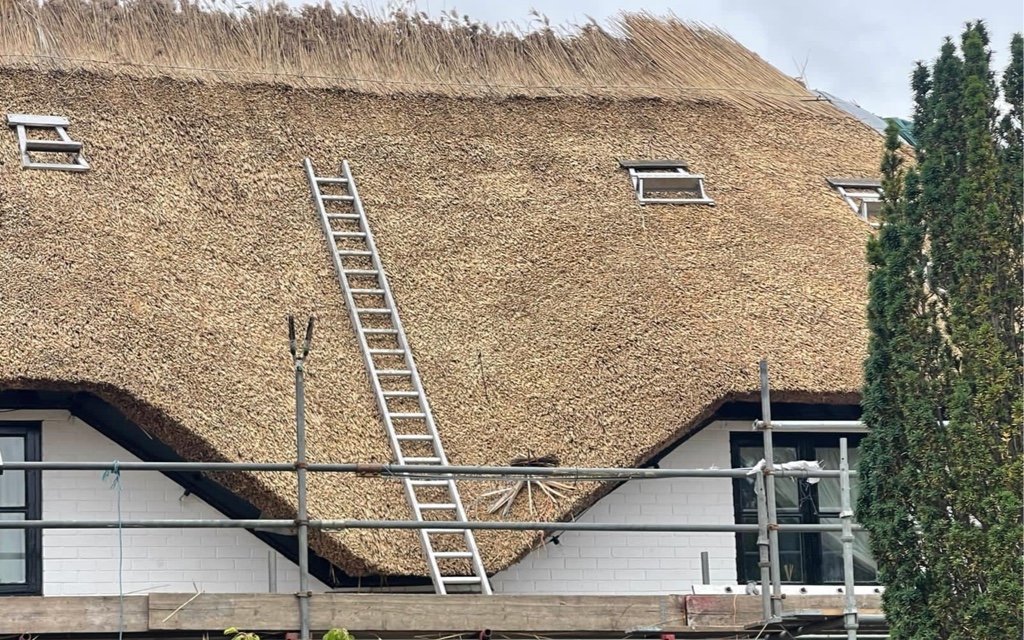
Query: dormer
{"type": "Point", "coordinates": [665, 182]}
{"type": "Point", "coordinates": [54, 150]}
{"type": "Point", "coordinates": [864, 196]}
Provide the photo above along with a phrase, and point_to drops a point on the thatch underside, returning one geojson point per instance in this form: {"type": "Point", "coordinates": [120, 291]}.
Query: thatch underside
{"type": "Point", "coordinates": [634, 56]}
{"type": "Point", "coordinates": [548, 312]}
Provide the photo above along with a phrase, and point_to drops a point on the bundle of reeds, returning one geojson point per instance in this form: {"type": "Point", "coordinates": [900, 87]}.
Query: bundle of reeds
{"type": "Point", "coordinates": [633, 56]}
{"type": "Point", "coordinates": [506, 495]}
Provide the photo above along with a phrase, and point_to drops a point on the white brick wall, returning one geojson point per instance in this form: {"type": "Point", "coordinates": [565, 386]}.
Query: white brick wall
{"type": "Point", "coordinates": [85, 562]}
{"type": "Point", "coordinates": [644, 563]}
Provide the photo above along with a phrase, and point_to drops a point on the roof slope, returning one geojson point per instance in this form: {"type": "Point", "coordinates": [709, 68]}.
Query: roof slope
{"type": "Point", "coordinates": [548, 312]}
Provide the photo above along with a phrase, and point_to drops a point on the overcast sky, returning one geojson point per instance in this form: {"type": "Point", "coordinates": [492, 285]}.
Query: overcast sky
{"type": "Point", "coordinates": [862, 51]}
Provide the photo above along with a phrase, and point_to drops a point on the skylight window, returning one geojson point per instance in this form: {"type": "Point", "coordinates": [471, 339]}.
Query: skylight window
{"type": "Point", "coordinates": [44, 143]}
{"type": "Point", "coordinates": [863, 195]}
{"type": "Point", "coordinates": [665, 182]}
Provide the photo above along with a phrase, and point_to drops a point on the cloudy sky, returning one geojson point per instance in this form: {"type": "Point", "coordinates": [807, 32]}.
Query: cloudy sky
{"type": "Point", "coordinates": [862, 51]}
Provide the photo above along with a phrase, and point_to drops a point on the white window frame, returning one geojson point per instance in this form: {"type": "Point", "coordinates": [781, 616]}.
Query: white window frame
{"type": "Point", "coordinates": [61, 143]}
{"type": "Point", "coordinates": [864, 196]}
{"type": "Point", "coordinates": [664, 175]}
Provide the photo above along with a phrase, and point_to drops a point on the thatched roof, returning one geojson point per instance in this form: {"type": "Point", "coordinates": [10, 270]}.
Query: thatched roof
{"type": "Point", "coordinates": [548, 312]}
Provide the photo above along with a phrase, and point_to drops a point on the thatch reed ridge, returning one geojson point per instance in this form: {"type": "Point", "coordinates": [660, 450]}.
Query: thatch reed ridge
{"type": "Point", "coordinates": [636, 56]}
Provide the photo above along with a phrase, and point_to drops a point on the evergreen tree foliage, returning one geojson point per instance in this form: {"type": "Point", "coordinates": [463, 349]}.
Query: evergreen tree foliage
{"type": "Point", "coordinates": [941, 471]}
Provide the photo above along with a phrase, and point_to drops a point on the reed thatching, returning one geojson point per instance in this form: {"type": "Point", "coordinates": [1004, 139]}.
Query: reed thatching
{"type": "Point", "coordinates": [547, 310]}
{"type": "Point", "coordinates": [634, 56]}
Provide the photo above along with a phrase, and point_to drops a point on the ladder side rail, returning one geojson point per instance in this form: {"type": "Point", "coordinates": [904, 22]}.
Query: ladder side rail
{"type": "Point", "coordinates": [350, 300]}
{"type": "Point", "coordinates": [410, 491]}
{"type": "Point", "coordinates": [403, 343]}
{"type": "Point", "coordinates": [418, 386]}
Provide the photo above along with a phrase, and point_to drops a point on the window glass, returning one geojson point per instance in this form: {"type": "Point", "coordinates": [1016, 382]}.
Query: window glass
{"type": "Point", "coordinates": [807, 558]}
{"type": "Point", "coordinates": [12, 483]}
{"type": "Point", "coordinates": [787, 495]}
{"type": "Point", "coordinates": [20, 561]}
{"type": "Point", "coordinates": [12, 551]}
{"type": "Point", "coordinates": [864, 567]}
{"type": "Point", "coordinates": [829, 496]}
{"type": "Point", "coordinates": [791, 549]}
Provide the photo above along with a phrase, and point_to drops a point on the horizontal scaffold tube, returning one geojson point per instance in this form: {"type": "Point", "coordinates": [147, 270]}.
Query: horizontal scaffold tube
{"type": "Point", "coordinates": [411, 524]}
{"type": "Point", "coordinates": [399, 470]}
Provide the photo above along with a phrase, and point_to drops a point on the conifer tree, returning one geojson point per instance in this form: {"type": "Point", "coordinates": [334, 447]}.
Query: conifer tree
{"type": "Point", "coordinates": [942, 466]}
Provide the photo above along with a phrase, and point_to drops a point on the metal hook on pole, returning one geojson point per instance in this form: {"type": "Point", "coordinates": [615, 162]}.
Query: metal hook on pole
{"type": "Point", "coordinates": [306, 343]}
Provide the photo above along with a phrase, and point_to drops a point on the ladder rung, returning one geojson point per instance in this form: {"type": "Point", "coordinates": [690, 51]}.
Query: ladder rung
{"type": "Point", "coordinates": [348, 234]}
{"type": "Point", "coordinates": [360, 272]}
{"type": "Point", "coordinates": [452, 554]}
{"type": "Point", "coordinates": [438, 506]}
{"type": "Point", "coordinates": [337, 198]}
{"type": "Point", "coordinates": [381, 332]}
{"type": "Point", "coordinates": [387, 352]}
{"type": "Point", "coordinates": [430, 460]}
{"type": "Point", "coordinates": [331, 180]}
{"type": "Point", "coordinates": [376, 312]}
{"type": "Point", "coordinates": [348, 252]}
{"type": "Point", "coordinates": [460, 579]}
{"type": "Point", "coordinates": [422, 437]}
{"type": "Point", "coordinates": [393, 372]}
{"type": "Point", "coordinates": [401, 394]}
{"type": "Point", "coordinates": [443, 531]}
{"type": "Point", "coordinates": [408, 416]}
{"type": "Point", "coordinates": [368, 292]}
{"type": "Point", "coordinates": [342, 216]}
{"type": "Point", "coordinates": [429, 483]}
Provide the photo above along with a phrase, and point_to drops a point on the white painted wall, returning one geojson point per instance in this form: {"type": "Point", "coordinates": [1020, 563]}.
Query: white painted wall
{"type": "Point", "coordinates": [647, 563]}
{"type": "Point", "coordinates": [643, 563]}
{"type": "Point", "coordinates": [85, 562]}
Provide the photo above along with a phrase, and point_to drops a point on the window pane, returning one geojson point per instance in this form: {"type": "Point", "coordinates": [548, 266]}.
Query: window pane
{"type": "Point", "coordinates": [12, 483]}
{"type": "Point", "coordinates": [828, 488]}
{"type": "Point", "coordinates": [786, 494]}
{"type": "Point", "coordinates": [790, 552]}
{"type": "Point", "coordinates": [864, 567]}
{"type": "Point", "coordinates": [12, 551]}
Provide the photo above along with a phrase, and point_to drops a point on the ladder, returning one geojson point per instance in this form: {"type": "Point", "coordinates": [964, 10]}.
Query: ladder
{"type": "Point", "coordinates": [396, 383]}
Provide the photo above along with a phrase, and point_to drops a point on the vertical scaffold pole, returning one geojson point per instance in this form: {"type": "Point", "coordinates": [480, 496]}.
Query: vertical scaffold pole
{"type": "Point", "coordinates": [301, 516]}
{"type": "Point", "coordinates": [846, 517]}
{"type": "Point", "coordinates": [762, 547]}
{"type": "Point", "coordinates": [769, 481]}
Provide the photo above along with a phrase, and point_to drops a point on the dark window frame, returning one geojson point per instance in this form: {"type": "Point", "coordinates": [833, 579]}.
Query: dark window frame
{"type": "Point", "coordinates": [31, 431]}
{"type": "Point", "coordinates": [809, 512]}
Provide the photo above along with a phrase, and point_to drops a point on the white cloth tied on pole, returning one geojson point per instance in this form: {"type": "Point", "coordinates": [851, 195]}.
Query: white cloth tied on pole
{"type": "Point", "coordinates": [796, 465]}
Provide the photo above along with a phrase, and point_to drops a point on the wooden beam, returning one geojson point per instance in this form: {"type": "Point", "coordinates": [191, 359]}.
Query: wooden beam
{"type": "Point", "coordinates": [403, 613]}
{"type": "Point", "coordinates": [72, 614]}
{"type": "Point", "coordinates": [416, 613]}
{"type": "Point", "coordinates": [711, 612]}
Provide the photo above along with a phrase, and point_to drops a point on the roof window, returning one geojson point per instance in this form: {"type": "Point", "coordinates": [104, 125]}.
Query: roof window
{"type": "Point", "coordinates": [863, 195]}
{"type": "Point", "coordinates": [54, 148]}
{"type": "Point", "coordinates": [665, 182]}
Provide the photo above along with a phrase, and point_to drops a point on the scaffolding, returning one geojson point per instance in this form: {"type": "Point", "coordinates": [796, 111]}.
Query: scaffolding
{"type": "Point", "coordinates": [776, 623]}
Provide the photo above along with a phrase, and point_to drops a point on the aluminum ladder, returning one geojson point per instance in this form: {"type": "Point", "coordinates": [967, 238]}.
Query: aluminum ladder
{"type": "Point", "coordinates": [396, 383]}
